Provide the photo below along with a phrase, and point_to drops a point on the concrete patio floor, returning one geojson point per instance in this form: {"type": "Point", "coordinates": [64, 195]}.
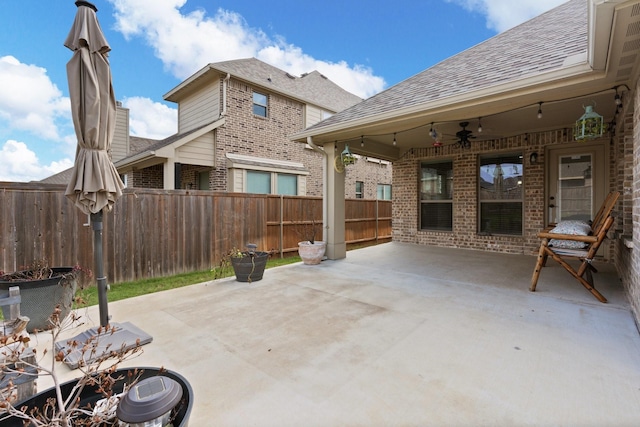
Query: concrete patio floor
{"type": "Point", "coordinates": [396, 335]}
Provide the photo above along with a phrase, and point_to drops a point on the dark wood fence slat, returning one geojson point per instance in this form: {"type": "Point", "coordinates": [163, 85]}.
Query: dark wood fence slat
{"type": "Point", "coordinates": [154, 233]}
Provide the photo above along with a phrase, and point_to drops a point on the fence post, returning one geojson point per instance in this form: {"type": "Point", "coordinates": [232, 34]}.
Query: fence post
{"type": "Point", "coordinates": [377, 221]}
{"type": "Point", "coordinates": [281, 226]}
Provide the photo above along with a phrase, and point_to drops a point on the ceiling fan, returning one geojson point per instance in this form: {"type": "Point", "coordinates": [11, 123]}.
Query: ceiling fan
{"type": "Point", "coordinates": [464, 135]}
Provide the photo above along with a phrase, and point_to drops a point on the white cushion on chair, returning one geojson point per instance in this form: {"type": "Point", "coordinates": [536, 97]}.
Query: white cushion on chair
{"type": "Point", "coordinates": [572, 227]}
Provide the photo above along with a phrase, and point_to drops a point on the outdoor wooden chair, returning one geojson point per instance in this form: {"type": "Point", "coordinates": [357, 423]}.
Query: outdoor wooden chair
{"type": "Point", "coordinates": [563, 246]}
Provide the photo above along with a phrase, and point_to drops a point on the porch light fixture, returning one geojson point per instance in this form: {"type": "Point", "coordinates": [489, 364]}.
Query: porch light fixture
{"type": "Point", "coordinates": [346, 157]}
{"type": "Point", "coordinates": [479, 124]}
{"type": "Point", "coordinates": [539, 110]}
{"type": "Point", "coordinates": [362, 141]}
{"type": "Point", "coordinates": [590, 125]}
{"type": "Point", "coordinates": [432, 133]}
{"type": "Point", "coordinates": [394, 139]}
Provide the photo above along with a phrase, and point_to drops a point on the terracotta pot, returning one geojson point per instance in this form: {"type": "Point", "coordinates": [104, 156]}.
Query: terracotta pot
{"type": "Point", "coordinates": [312, 253]}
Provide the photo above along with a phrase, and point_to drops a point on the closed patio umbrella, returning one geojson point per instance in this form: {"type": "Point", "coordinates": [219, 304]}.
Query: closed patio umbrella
{"type": "Point", "coordinates": [95, 184]}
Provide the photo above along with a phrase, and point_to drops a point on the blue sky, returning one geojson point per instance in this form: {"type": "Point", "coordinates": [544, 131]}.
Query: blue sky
{"type": "Point", "coordinates": [364, 46]}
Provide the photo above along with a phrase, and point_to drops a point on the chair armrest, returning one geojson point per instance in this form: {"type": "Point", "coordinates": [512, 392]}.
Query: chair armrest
{"type": "Point", "coordinates": [574, 237]}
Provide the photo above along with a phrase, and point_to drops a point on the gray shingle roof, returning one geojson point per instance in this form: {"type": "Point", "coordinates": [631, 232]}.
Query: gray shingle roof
{"type": "Point", "coordinates": [532, 48]}
{"type": "Point", "coordinates": [138, 144]}
{"type": "Point", "coordinates": [311, 87]}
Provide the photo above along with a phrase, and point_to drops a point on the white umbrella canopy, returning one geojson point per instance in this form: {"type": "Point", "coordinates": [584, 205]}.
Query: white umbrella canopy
{"type": "Point", "coordinates": [95, 183]}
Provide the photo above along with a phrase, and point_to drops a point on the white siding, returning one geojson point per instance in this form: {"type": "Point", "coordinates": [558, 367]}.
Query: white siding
{"type": "Point", "coordinates": [312, 115]}
{"type": "Point", "coordinates": [199, 108]}
{"type": "Point", "coordinates": [236, 180]}
{"type": "Point", "coordinates": [120, 143]}
{"type": "Point", "coordinates": [302, 185]}
{"type": "Point", "coordinates": [200, 151]}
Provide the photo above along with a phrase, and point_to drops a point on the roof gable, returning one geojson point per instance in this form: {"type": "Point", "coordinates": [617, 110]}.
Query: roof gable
{"type": "Point", "coordinates": [312, 88]}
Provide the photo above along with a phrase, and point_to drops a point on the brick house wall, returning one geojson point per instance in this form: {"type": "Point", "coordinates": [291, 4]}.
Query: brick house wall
{"type": "Point", "coordinates": [369, 171]}
{"type": "Point", "coordinates": [249, 134]}
{"type": "Point", "coordinates": [628, 258]}
{"type": "Point", "coordinates": [151, 177]}
{"type": "Point", "coordinates": [465, 200]}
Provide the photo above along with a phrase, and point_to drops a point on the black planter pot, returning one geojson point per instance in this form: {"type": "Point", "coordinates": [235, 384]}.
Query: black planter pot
{"type": "Point", "coordinates": [40, 297]}
{"type": "Point", "coordinates": [250, 268]}
{"type": "Point", "coordinates": [90, 396]}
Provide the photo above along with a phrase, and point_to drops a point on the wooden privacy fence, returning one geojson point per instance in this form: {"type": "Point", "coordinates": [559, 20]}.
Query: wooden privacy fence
{"type": "Point", "coordinates": [155, 233]}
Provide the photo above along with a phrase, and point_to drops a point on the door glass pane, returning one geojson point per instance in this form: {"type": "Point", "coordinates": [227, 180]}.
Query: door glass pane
{"type": "Point", "coordinates": [575, 188]}
{"type": "Point", "coordinates": [258, 182]}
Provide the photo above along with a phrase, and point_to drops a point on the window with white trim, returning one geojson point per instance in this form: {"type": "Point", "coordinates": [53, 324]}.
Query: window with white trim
{"type": "Point", "coordinates": [249, 174]}
{"type": "Point", "coordinates": [384, 191]}
{"type": "Point", "coordinates": [260, 104]}
{"type": "Point", "coordinates": [359, 189]}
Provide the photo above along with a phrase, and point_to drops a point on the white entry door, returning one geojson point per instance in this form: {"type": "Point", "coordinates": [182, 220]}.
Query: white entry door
{"type": "Point", "coordinates": [578, 181]}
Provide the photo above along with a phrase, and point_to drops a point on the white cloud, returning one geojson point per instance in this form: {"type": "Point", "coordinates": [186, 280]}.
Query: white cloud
{"type": "Point", "coordinates": [504, 14]}
{"type": "Point", "coordinates": [183, 43]}
{"type": "Point", "coordinates": [29, 100]}
{"type": "Point", "coordinates": [22, 165]}
{"type": "Point", "coordinates": [149, 119]}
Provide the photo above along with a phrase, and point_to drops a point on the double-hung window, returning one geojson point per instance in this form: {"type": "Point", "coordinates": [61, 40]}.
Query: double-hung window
{"type": "Point", "coordinates": [359, 189]}
{"type": "Point", "coordinates": [436, 196]}
{"type": "Point", "coordinates": [260, 104]}
{"type": "Point", "coordinates": [500, 194]}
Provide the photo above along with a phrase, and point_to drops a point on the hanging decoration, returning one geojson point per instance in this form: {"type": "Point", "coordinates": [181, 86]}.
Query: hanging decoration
{"type": "Point", "coordinates": [590, 125]}
{"type": "Point", "coordinates": [346, 158]}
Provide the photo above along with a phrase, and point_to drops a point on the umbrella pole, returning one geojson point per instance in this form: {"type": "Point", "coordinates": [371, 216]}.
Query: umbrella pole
{"type": "Point", "coordinates": [120, 336]}
{"type": "Point", "coordinates": [96, 225]}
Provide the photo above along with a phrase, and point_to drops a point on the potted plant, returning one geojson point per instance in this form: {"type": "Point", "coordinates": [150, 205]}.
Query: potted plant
{"type": "Point", "coordinates": [97, 397]}
{"type": "Point", "coordinates": [248, 265]}
{"type": "Point", "coordinates": [43, 288]}
{"type": "Point", "coordinates": [311, 251]}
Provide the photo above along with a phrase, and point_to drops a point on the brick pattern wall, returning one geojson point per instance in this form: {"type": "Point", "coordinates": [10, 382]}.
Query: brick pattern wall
{"type": "Point", "coordinates": [628, 259]}
{"type": "Point", "coordinates": [151, 177]}
{"type": "Point", "coordinates": [248, 134]}
{"type": "Point", "coordinates": [251, 135]}
{"type": "Point", "coordinates": [465, 168]}
{"type": "Point", "coordinates": [371, 173]}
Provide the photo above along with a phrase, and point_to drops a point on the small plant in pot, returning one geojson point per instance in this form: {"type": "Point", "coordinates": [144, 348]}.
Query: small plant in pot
{"type": "Point", "coordinates": [311, 251]}
{"type": "Point", "coordinates": [248, 265]}
{"type": "Point", "coordinates": [43, 288]}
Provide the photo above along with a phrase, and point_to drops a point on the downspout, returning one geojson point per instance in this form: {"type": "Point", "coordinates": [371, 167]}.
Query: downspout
{"type": "Point", "coordinates": [325, 178]}
{"type": "Point", "coordinates": [225, 83]}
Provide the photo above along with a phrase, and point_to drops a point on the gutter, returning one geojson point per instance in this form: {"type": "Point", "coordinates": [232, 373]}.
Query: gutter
{"type": "Point", "coordinates": [575, 73]}
{"type": "Point", "coordinates": [325, 179]}
{"type": "Point", "coordinates": [225, 83]}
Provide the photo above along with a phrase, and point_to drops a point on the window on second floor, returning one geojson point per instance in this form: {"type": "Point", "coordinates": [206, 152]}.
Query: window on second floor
{"type": "Point", "coordinates": [260, 104]}
{"type": "Point", "coordinates": [359, 189]}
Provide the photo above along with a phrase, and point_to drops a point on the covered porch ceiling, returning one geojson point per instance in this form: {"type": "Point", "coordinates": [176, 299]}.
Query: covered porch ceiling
{"type": "Point", "coordinates": [610, 65]}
